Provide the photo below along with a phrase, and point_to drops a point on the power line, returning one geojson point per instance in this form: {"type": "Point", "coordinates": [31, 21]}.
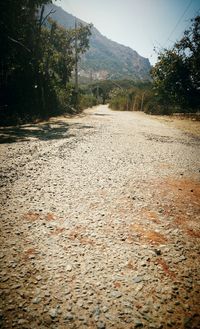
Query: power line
{"type": "Point", "coordinates": [195, 13]}
{"type": "Point", "coordinates": [180, 19]}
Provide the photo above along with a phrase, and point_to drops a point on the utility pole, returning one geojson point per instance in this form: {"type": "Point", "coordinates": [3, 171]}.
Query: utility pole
{"type": "Point", "coordinates": [76, 67]}
{"type": "Point", "coordinates": [135, 100]}
{"type": "Point", "coordinates": [127, 101]}
{"type": "Point", "coordinates": [142, 102]}
{"type": "Point", "coordinates": [97, 94]}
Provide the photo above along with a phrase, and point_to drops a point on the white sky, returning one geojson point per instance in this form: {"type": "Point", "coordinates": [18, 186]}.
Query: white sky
{"type": "Point", "coordinates": [139, 24]}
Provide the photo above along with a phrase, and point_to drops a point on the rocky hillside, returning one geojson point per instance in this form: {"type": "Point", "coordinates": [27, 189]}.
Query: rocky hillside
{"type": "Point", "coordinates": [105, 59]}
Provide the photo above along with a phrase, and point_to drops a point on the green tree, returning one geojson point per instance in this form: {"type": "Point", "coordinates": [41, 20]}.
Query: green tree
{"type": "Point", "coordinates": [176, 74]}
{"type": "Point", "coordinates": [58, 60]}
{"type": "Point", "coordinates": [189, 48]}
{"type": "Point", "coordinates": [37, 60]}
{"type": "Point", "coordinates": [19, 26]}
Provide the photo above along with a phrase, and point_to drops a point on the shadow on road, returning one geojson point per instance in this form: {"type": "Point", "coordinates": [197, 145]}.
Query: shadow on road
{"type": "Point", "coordinates": [43, 132]}
{"type": "Point", "coordinates": [101, 114]}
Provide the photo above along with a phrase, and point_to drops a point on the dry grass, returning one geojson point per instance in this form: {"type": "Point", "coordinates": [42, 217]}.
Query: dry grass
{"type": "Point", "coordinates": [187, 125]}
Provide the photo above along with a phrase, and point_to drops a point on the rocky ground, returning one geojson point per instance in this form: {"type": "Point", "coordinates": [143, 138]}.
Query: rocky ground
{"type": "Point", "coordinates": [100, 223]}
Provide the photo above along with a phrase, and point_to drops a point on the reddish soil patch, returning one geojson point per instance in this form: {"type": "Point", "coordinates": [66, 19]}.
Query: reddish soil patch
{"type": "Point", "coordinates": [131, 265]}
{"type": "Point", "coordinates": [30, 253]}
{"type": "Point", "coordinates": [117, 284]}
{"type": "Point", "coordinates": [50, 217]}
{"type": "Point", "coordinates": [155, 237]}
{"type": "Point", "coordinates": [57, 231]}
{"type": "Point", "coordinates": [86, 241]}
{"type": "Point", "coordinates": [182, 189]}
{"type": "Point", "coordinates": [34, 216]}
{"type": "Point", "coordinates": [181, 202]}
{"type": "Point", "coordinates": [78, 233]}
{"type": "Point", "coordinates": [151, 215]}
{"type": "Point", "coordinates": [31, 216]}
{"type": "Point", "coordinates": [165, 267]}
{"type": "Point", "coordinates": [145, 235]}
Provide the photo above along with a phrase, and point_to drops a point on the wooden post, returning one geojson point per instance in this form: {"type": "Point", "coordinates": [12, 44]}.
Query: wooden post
{"type": "Point", "coordinates": [76, 67]}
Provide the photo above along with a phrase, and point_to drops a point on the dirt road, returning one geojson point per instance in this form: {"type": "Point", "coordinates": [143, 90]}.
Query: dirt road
{"type": "Point", "coordinates": [100, 223]}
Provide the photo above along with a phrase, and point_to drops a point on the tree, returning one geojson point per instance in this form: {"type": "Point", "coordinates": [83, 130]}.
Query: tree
{"type": "Point", "coordinates": [171, 80]}
{"type": "Point", "coordinates": [189, 48]}
{"type": "Point", "coordinates": [58, 60]}
{"type": "Point", "coordinates": [37, 60]}
{"type": "Point", "coordinates": [176, 74]}
{"type": "Point", "coordinates": [19, 26]}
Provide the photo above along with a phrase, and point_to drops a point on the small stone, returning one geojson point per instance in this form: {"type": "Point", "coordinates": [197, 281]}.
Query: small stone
{"type": "Point", "coordinates": [80, 303]}
{"type": "Point", "coordinates": [116, 294]}
{"type": "Point", "coordinates": [104, 309]}
{"type": "Point", "coordinates": [36, 300]}
{"type": "Point", "coordinates": [138, 324]}
{"type": "Point", "coordinates": [97, 311]}
{"type": "Point", "coordinates": [6, 278]}
{"type": "Point", "coordinates": [169, 323]}
{"type": "Point", "coordinates": [69, 317]}
{"type": "Point", "coordinates": [157, 251]}
{"type": "Point", "coordinates": [22, 321]}
{"type": "Point", "coordinates": [47, 294]}
{"type": "Point", "coordinates": [16, 286]}
{"type": "Point", "coordinates": [101, 325]}
{"type": "Point", "coordinates": [69, 268]}
{"type": "Point", "coordinates": [145, 309]}
{"type": "Point", "coordinates": [53, 312]}
{"type": "Point", "coordinates": [39, 277]}
{"type": "Point", "coordinates": [138, 279]}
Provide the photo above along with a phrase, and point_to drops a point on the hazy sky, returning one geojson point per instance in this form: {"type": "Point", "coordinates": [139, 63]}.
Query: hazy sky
{"type": "Point", "coordinates": [139, 24]}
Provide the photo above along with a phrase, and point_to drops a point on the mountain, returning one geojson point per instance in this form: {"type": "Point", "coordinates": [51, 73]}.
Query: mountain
{"type": "Point", "coordinates": [105, 58]}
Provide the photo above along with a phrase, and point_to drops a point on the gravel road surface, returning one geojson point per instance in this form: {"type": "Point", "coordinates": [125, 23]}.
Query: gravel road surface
{"type": "Point", "coordinates": [100, 223]}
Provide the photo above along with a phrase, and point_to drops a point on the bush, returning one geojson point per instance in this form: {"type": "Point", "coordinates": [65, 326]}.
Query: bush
{"type": "Point", "coordinates": [86, 101]}
{"type": "Point", "coordinates": [118, 103]}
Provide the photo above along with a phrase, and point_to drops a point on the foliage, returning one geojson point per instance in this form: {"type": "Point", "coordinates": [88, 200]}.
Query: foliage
{"type": "Point", "coordinates": [176, 75]}
{"type": "Point", "coordinates": [37, 60]}
{"type": "Point", "coordinates": [86, 101]}
{"type": "Point", "coordinates": [129, 99]}
{"type": "Point", "coordinates": [105, 90]}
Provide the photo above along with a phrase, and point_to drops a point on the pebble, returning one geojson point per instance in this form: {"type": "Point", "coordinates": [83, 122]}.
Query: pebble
{"type": "Point", "coordinates": [69, 317]}
{"type": "Point", "coordinates": [36, 300]}
{"type": "Point", "coordinates": [138, 279]}
{"type": "Point", "coordinates": [116, 294]}
{"type": "Point", "coordinates": [138, 324]}
{"type": "Point", "coordinates": [68, 268]}
{"type": "Point", "coordinates": [53, 312]}
{"type": "Point", "coordinates": [157, 251]}
{"type": "Point", "coordinates": [101, 325]}
{"type": "Point", "coordinates": [22, 321]}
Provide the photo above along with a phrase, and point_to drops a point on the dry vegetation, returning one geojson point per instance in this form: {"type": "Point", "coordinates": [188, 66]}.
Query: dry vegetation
{"type": "Point", "coordinates": [187, 125]}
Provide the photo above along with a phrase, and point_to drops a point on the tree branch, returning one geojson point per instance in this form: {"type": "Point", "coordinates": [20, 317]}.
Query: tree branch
{"type": "Point", "coordinates": [19, 43]}
{"type": "Point", "coordinates": [45, 18]}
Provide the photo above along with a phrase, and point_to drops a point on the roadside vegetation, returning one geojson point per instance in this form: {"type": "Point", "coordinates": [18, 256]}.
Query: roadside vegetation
{"type": "Point", "coordinates": [37, 61]}
{"type": "Point", "coordinates": [175, 83]}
